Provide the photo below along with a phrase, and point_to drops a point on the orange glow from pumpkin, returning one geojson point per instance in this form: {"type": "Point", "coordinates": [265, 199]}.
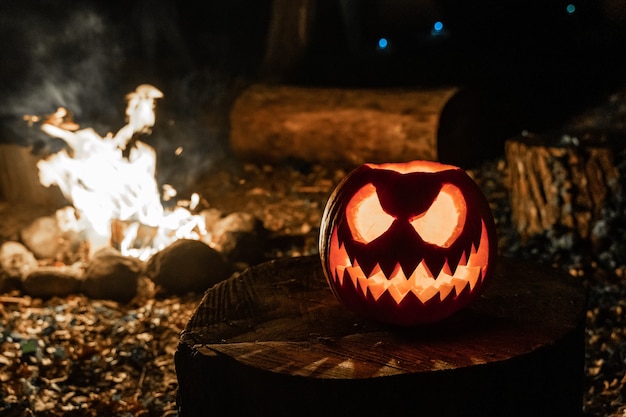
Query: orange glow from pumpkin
{"type": "Point", "coordinates": [413, 166]}
{"type": "Point", "coordinates": [470, 271]}
{"type": "Point", "coordinates": [407, 249]}
{"type": "Point", "coordinates": [366, 217]}
{"type": "Point", "coordinates": [443, 222]}
{"type": "Point", "coordinates": [440, 225]}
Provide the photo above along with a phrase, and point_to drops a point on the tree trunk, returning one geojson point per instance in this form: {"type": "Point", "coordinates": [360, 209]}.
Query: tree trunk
{"type": "Point", "coordinates": [288, 37]}
{"type": "Point", "coordinates": [274, 341]}
{"type": "Point", "coordinates": [274, 124]}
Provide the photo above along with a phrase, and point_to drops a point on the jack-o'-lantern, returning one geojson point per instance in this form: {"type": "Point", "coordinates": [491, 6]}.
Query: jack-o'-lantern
{"type": "Point", "coordinates": [407, 243]}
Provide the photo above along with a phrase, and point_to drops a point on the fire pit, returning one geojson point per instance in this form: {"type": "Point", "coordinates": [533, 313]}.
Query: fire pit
{"type": "Point", "coordinates": [116, 220]}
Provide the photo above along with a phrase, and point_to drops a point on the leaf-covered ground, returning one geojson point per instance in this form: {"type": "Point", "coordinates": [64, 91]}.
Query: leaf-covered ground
{"type": "Point", "coordinates": [76, 356]}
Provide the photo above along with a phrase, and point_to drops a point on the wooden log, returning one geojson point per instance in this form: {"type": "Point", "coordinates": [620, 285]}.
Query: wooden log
{"type": "Point", "coordinates": [19, 179]}
{"type": "Point", "coordinates": [559, 184]}
{"type": "Point", "coordinates": [274, 124]}
{"type": "Point", "coordinates": [274, 341]}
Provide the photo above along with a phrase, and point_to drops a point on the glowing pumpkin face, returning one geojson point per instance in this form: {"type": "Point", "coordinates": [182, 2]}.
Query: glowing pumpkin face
{"type": "Point", "coordinates": [407, 243]}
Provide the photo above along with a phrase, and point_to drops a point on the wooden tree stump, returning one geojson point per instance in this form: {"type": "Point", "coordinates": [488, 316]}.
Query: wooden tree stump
{"type": "Point", "coordinates": [274, 124]}
{"type": "Point", "coordinates": [559, 185]}
{"type": "Point", "coordinates": [274, 341]}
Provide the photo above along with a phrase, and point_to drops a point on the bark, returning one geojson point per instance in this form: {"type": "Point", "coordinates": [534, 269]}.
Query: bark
{"type": "Point", "coordinates": [559, 186]}
{"type": "Point", "coordinates": [274, 124]}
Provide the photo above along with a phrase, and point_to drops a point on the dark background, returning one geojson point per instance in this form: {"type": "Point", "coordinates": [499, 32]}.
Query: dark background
{"type": "Point", "coordinates": [532, 63]}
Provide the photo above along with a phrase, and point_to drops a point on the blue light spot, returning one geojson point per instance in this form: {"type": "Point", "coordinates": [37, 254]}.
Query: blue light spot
{"type": "Point", "coordinates": [383, 43]}
{"type": "Point", "coordinates": [570, 9]}
{"type": "Point", "coordinates": [438, 26]}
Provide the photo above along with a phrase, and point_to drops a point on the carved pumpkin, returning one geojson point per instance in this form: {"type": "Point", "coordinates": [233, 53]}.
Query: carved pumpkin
{"type": "Point", "coordinates": [407, 243]}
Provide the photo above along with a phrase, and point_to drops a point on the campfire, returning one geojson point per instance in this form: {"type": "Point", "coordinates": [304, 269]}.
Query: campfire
{"type": "Point", "coordinates": [111, 183]}
{"type": "Point", "coordinates": [122, 235]}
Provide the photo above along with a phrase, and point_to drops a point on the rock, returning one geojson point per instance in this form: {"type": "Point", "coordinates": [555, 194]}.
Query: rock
{"type": "Point", "coordinates": [52, 281]}
{"type": "Point", "coordinates": [211, 217]}
{"type": "Point", "coordinates": [15, 263]}
{"type": "Point", "coordinates": [16, 260]}
{"type": "Point", "coordinates": [42, 237]}
{"type": "Point", "coordinates": [187, 266]}
{"type": "Point", "coordinates": [110, 275]}
{"type": "Point", "coordinates": [56, 237]}
{"type": "Point", "coordinates": [240, 237]}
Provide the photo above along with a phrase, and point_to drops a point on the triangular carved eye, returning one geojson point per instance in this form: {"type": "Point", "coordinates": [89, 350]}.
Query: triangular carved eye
{"type": "Point", "coordinates": [366, 218]}
{"type": "Point", "coordinates": [444, 220]}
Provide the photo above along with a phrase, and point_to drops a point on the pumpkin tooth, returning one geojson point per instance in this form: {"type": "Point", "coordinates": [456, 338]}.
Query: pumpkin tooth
{"type": "Point", "coordinates": [462, 259]}
{"type": "Point", "coordinates": [340, 271]}
{"type": "Point", "coordinates": [400, 285]}
{"type": "Point", "coordinates": [354, 272]}
{"type": "Point", "coordinates": [427, 293]}
{"type": "Point", "coordinates": [397, 274]}
{"type": "Point", "coordinates": [435, 263]}
{"type": "Point", "coordinates": [367, 265]}
{"type": "Point", "coordinates": [453, 256]}
{"type": "Point", "coordinates": [389, 267]}
{"type": "Point", "coordinates": [397, 293]}
{"type": "Point", "coordinates": [422, 270]}
{"type": "Point", "coordinates": [444, 290]}
{"type": "Point", "coordinates": [377, 270]}
{"type": "Point", "coordinates": [340, 259]}
{"type": "Point", "coordinates": [459, 284]}
{"type": "Point", "coordinates": [421, 282]}
{"type": "Point", "coordinates": [473, 251]}
{"type": "Point", "coordinates": [474, 275]}
{"type": "Point", "coordinates": [376, 289]}
{"type": "Point", "coordinates": [445, 270]}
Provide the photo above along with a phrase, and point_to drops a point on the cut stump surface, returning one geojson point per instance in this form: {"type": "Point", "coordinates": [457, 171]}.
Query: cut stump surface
{"type": "Point", "coordinates": [275, 341]}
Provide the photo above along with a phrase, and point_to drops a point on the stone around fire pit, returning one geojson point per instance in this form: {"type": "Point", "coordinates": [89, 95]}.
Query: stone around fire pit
{"type": "Point", "coordinates": [42, 237]}
{"type": "Point", "coordinates": [240, 237]}
{"type": "Point", "coordinates": [110, 275]}
{"type": "Point", "coordinates": [48, 239]}
{"type": "Point", "coordinates": [52, 281]}
{"type": "Point", "coordinates": [15, 263]}
{"type": "Point", "coordinates": [187, 266]}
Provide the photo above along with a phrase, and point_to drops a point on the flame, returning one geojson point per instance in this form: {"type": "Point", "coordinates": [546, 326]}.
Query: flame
{"type": "Point", "coordinates": [109, 181]}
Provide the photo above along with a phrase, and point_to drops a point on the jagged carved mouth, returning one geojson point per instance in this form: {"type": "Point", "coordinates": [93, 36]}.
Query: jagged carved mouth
{"type": "Point", "coordinates": [469, 271]}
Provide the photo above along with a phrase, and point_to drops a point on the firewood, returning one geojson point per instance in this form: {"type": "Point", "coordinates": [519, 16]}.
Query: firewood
{"type": "Point", "coordinates": [273, 124]}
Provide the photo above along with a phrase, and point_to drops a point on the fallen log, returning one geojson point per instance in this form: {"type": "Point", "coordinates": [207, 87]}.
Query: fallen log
{"type": "Point", "coordinates": [274, 341]}
{"type": "Point", "coordinates": [275, 124]}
